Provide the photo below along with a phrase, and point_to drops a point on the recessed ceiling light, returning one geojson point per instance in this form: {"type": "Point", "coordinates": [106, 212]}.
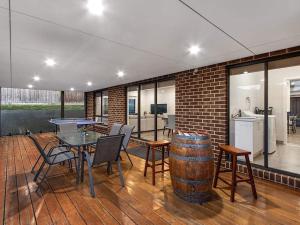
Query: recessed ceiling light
{"type": "Point", "coordinates": [36, 78]}
{"type": "Point", "coordinates": [95, 7]}
{"type": "Point", "coordinates": [120, 73]}
{"type": "Point", "coordinates": [50, 62]}
{"type": "Point", "coordinates": [89, 83]}
{"type": "Point", "coordinates": [72, 89]}
{"type": "Point", "coordinates": [30, 86]}
{"type": "Point", "coordinates": [194, 50]}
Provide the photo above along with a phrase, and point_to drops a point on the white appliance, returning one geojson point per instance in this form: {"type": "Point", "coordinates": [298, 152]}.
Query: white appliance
{"type": "Point", "coordinates": [248, 135]}
{"type": "Point", "coordinates": [271, 129]}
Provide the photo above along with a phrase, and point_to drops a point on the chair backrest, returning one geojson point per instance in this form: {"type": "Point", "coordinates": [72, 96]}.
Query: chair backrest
{"type": "Point", "coordinates": [171, 122]}
{"type": "Point", "coordinates": [68, 127]}
{"type": "Point", "coordinates": [115, 129]}
{"type": "Point", "coordinates": [127, 131]}
{"type": "Point", "coordinates": [98, 119]}
{"type": "Point", "coordinates": [38, 146]}
{"type": "Point", "coordinates": [108, 149]}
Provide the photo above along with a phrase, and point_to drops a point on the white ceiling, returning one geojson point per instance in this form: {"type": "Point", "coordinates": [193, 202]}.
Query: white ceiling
{"type": "Point", "coordinates": [144, 38]}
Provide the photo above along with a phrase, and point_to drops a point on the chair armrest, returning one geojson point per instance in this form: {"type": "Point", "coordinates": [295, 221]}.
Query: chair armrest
{"type": "Point", "coordinates": [52, 141]}
{"type": "Point", "coordinates": [54, 147]}
{"type": "Point", "coordinates": [62, 153]}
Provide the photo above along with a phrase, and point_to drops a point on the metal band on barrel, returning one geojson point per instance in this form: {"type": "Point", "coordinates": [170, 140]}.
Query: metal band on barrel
{"type": "Point", "coordinates": [187, 158]}
{"type": "Point", "coordinates": [191, 137]}
{"type": "Point", "coordinates": [193, 146]}
{"type": "Point", "coordinates": [191, 182]}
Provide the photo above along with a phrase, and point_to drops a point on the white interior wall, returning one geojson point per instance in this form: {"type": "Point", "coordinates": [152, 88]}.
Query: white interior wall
{"type": "Point", "coordinates": [279, 97]}
{"type": "Point", "coordinates": [245, 86]}
{"type": "Point", "coordinates": [147, 98]}
{"type": "Point", "coordinates": [278, 100]}
{"type": "Point", "coordinates": [166, 95]}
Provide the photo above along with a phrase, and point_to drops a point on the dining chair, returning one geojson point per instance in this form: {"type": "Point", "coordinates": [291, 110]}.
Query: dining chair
{"type": "Point", "coordinates": [107, 151]}
{"type": "Point", "coordinates": [68, 127]}
{"type": "Point", "coordinates": [115, 129]}
{"type": "Point", "coordinates": [55, 155]}
{"type": "Point", "coordinates": [293, 123]}
{"type": "Point", "coordinates": [127, 131]}
{"type": "Point", "coordinates": [170, 124]}
{"type": "Point", "coordinates": [51, 145]}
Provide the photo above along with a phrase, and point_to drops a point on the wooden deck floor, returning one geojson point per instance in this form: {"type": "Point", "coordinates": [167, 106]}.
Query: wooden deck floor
{"type": "Point", "coordinates": [62, 202]}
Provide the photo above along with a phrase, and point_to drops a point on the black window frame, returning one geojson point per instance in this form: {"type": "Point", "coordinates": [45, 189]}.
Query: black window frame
{"type": "Point", "coordinates": [99, 93]}
{"type": "Point", "coordinates": [266, 62]}
{"type": "Point", "coordinates": [139, 84]}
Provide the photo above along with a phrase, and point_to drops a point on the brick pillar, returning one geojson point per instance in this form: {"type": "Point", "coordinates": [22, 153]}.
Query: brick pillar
{"type": "Point", "coordinates": [201, 102]}
{"type": "Point", "coordinates": [116, 105]}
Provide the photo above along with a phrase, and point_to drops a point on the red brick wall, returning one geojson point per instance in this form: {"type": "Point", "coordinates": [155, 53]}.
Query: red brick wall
{"type": "Point", "coordinates": [201, 102]}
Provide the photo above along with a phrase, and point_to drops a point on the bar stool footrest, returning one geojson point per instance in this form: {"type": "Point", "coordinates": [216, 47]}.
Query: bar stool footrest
{"type": "Point", "coordinates": [160, 171]}
{"type": "Point", "coordinates": [225, 171]}
{"type": "Point", "coordinates": [225, 181]}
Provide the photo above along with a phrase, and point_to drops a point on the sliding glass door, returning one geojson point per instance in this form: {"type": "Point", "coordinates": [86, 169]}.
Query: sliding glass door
{"type": "Point", "coordinates": [284, 126]}
{"type": "Point", "coordinates": [264, 112]}
{"type": "Point", "coordinates": [101, 107]}
{"type": "Point", "coordinates": [104, 107]}
{"type": "Point", "coordinates": [132, 108]}
{"type": "Point", "coordinates": [151, 109]}
{"type": "Point", "coordinates": [165, 109]}
{"type": "Point", "coordinates": [147, 112]}
{"type": "Point", "coordinates": [247, 110]}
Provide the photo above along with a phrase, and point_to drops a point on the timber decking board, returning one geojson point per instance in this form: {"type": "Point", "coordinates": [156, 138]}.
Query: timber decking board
{"type": "Point", "coordinates": [61, 201]}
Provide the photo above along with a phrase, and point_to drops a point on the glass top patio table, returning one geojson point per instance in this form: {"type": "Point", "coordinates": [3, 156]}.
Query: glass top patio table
{"type": "Point", "coordinates": [78, 139]}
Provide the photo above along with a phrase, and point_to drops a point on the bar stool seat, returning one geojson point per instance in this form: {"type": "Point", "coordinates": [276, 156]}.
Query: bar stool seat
{"type": "Point", "coordinates": [234, 152]}
{"type": "Point", "coordinates": [153, 146]}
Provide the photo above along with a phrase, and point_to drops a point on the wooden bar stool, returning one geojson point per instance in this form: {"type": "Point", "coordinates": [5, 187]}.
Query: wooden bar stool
{"type": "Point", "coordinates": [234, 152]}
{"type": "Point", "coordinates": [153, 146]}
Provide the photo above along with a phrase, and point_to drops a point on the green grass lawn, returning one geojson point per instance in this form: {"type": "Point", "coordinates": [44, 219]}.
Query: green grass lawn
{"type": "Point", "coordinates": [40, 107]}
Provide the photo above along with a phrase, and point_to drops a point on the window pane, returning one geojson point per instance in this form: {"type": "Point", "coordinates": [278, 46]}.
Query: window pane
{"type": "Point", "coordinates": [23, 109]}
{"type": "Point", "coordinates": [98, 104]}
{"type": "Point", "coordinates": [105, 107]}
{"type": "Point", "coordinates": [147, 111]}
{"type": "Point", "coordinates": [247, 110]}
{"type": "Point", "coordinates": [165, 109]}
{"type": "Point", "coordinates": [74, 104]}
{"type": "Point", "coordinates": [284, 125]}
{"type": "Point", "coordinates": [132, 108]}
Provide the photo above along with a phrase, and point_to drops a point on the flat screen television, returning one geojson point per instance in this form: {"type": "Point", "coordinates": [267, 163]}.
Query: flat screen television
{"type": "Point", "coordinates": [161, 108]}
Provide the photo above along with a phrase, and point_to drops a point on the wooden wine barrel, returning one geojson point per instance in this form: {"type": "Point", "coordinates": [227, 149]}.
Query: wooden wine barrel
{"type": "Point", "coordinates": [191, 166]}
